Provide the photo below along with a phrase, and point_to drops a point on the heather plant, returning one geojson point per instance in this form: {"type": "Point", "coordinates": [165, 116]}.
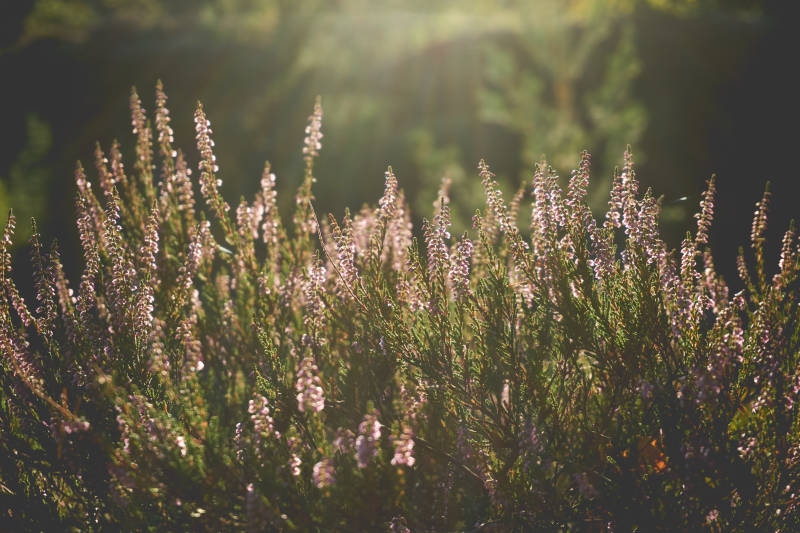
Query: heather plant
{"type": "Point", "coordinates": [217, 369]}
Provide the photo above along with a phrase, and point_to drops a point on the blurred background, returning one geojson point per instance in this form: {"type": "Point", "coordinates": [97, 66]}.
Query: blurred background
{"type": "Point", "coordinates": [694, 86]}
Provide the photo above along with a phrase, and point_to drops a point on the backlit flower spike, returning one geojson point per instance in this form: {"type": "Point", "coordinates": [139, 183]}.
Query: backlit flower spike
{"type": "Point", "coordinates": [388, 202]}
{"type": "Point", "coordinates": [498, 210]}
{"type": "Point", "coordinates": [459, 268]}
{"type": "Point", "coordinates": [87, 232]}
{"type": "Point", "coordinates": [541, 219]}
{"type": "Point", "coordinates": [148, 279]}
{"type": "Point", "coordinates": [247, 220]}
{"type": "Point", "coordinates": [5, 246]}
{"type": "Point", "coordinates": [165, 133]}
{"type": "Point", "coordinates": [10, 288]}
{"type": "Point", "coordinates": [144, 145]}
{"type": "Point", "coordinates": [435, 233]}
{"type": "Point", "coordinates": [90, 204]}
{"type": "Point", "coordinates": [310, 395]}
{"type": "Point", "coordinates": [183, 185]}
{"type": "Point", "coordinates": [313, 287]}
{"type": "Point", "coordinates": [399, 234]}
{"type": "Point", "coordinates": [758, 235]}
{"type": "Point", "coordinates": [345, 251]}
{"type": "Point", "coordinates": [311, 142]}
{"type": "Point", "coordinates": [366, 444]}
{"type": "Point", "coordinates": [44, 285]}
{"type": "Point", "coordinates": [706, 215]}
{"type": "Point", "coordinates": [105, 177]}
{"type": "Point", "coordinates": [323, 474]}
{"type": "Point", "coordinates": [494, 199]}
{"type": "Point", "coordinates": [304, 220]}
{"type": "Point", "coordinates": [263, 423]}
{"type": "Point", "coordinates": [613, 215]}
{"type": "Point", "coordinates": [579, 182]}
{"type": "Point", "coordinates": [13, 346]}
{"type": "Point", "coordinates": [759, 226]}
{"type": "Point", "coordinates": [66, 300]}
{"type": "Point", "coordinates": [135, 207]}
{"type": "Point", "coordinates": [404, 448]}
{"type": "Point", "coordinates": [268, 200]}
{"type": "Point", "coordinates": [209, 182]}
{"type": "Point", "coordinates": [442, 196]}
{"type": "Point", "coordinates": [787, 263]}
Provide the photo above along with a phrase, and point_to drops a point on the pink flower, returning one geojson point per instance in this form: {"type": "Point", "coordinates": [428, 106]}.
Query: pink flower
{"type": "Point", "coordinates": [366, 443]}
{"type": "Point", "coordinates": [404, 448]}
{"type": "Point", "coordinates": [309, 387]}
{"type": "Point", "coordinates": [459, 267]}
{"type": "Point", "coordinates": [322, 473]}
{"type": "Point", "coordinates": [311, 143]}
{"type": "Point", "coordinates": [181, 442]}
{"type": "Point", "coordinates": [259, 415]}
{"type": "Point", "coordinates": [294, 465]}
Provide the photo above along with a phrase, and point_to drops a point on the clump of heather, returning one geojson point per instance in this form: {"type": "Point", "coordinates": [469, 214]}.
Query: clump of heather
{"type": "Point", "coordinates": [217, 369]}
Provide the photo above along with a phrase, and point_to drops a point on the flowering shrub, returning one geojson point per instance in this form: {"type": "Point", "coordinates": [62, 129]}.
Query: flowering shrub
{"type": "Point", "coordinates": [218, 370]}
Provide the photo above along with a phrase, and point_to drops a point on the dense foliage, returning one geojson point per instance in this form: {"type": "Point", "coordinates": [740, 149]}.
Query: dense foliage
{"type": "Point", "coordinates": [217, 370]}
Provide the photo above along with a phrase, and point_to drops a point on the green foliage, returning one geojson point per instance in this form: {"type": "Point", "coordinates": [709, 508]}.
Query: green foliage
{"type": "Point", "coordinates": [219, 369]}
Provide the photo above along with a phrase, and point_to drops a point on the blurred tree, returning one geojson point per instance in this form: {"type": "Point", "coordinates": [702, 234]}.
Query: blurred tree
{"type": "Point", "coordinates": [428, 87]}
{"type": "Point", "coordinates": [563, 79]}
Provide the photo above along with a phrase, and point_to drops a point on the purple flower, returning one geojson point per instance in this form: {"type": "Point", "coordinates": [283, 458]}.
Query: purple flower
{"type": "Point", "coordinates": [322, 473]}
{"type": "Point", "coordinates": [309, 387]}
{"type": "Point", "coordinates": [259, 415]}
{"type": "Point", "coordinates": [369, 433]}
{"type": "Point", "coordinates": [181, 443]}
{"type": "Point", "coordinates": [706, 214]}
{"type": "Point", "coordinates": [459, 268]}
{"type": "Point", "coordinates": [388, 202]}
{"type": "Point", "coordinates": [311, 142]}
{"type": "Point", "coordinates": [404, 448]}
{"type": "Point", "coordinates": [294, 464]}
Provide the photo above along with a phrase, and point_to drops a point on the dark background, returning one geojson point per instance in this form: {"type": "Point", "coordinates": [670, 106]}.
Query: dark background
{"type": "Point", "coordinates": [695, 87]}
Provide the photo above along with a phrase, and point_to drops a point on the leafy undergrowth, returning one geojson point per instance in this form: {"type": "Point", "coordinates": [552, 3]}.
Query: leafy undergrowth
{"type": "Point", "coordinates": [218, 369]}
